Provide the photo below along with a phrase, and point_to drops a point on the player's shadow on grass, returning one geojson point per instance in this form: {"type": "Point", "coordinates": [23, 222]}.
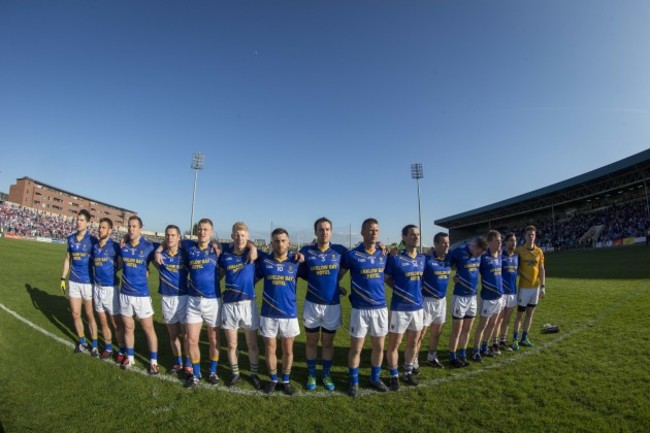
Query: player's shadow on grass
{"type": "Point", "coordinates": [299, 372]}
{"type": "Point", "coordinates": [55, 308]}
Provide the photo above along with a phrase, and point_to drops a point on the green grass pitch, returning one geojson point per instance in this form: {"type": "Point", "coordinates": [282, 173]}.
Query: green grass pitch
{"type": "Point", "coordinates": [592, 376]}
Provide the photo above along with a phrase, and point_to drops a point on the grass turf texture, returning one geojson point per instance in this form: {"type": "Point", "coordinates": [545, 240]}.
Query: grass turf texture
{"type": "Point", "coordinates": [592, 376]}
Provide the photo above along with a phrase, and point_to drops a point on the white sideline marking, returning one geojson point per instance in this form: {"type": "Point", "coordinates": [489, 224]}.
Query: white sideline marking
{"type": "Point", "coordinates": [463, 373]}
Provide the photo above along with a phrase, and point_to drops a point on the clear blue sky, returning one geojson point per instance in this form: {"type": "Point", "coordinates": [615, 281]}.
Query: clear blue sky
{"type": "Point", "coordinates": [312, 108]}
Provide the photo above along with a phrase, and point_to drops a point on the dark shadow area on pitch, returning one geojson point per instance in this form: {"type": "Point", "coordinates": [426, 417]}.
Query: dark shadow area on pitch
{"type": "Point", "coordinates": [55, 308]}
{"type": "Point", "coordinates": [299, 372]}
{"type": "Point", "coordinates": [618, 263]}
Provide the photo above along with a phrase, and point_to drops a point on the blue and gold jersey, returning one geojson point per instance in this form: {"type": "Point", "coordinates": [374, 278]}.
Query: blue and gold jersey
{"type": "Point", "coordinates": [80, 258]}
{"type": "Point", "coordinates": [135, 265]}
{"type": "Point", "coordinates": [491, 281]}
{"type": "Point", "coordinates": [240, 276]}
{"type": "Point", "coordinates": [105, 262]}
{"type": "Point", "coordinates": [203, 268]}
{"type": "Point", "coordinates": [173, 274]}
{"type": "Point", "coordinates": [279, 296]}
{"type": "Point", "coordinates": [509, 266]}
{"type": "Point", "coordinates": [366, 277]}
{"type": "Point", "coordinates": [321, 269]}
{"type": "Point", "coordinates": [467, 271]}
{"type": "Point", "coordinates": [406, 272]}
{"type": "Point", "coordinates": [436, 277]}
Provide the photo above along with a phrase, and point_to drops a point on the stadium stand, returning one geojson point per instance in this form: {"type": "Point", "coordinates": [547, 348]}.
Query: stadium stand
{"type": "Point", "coordinates": [21, 221]}
{"type": "Point", "coordinates": [605, 207]}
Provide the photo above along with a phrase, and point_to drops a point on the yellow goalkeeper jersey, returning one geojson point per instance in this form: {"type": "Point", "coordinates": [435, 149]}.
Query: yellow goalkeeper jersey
{"type": "Point", "coordinates": [530, 262]}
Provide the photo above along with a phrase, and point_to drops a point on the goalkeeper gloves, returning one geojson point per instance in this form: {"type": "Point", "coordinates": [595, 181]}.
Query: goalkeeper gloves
{"type": "Point", "coordinates": [63, 285]}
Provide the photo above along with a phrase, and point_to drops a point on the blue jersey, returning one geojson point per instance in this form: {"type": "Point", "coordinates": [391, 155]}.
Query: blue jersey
{"type": "Point", "coordinates": [173, 274]}
{"type": "Point", "coordinates": [436, 277]}
{"type": "Point", "coordinates": [240, 276]}
{"type": "Point", "coordinates": [279, 296]}
{"type": "Point", "coordinates": [203, 267]}
{"type": "Point", "coordinates": [366, 278]}
{"type": "Point", "coordinates": [491, 282]}
{"type": "Point", "coordinates": [80, 258]}
{"type": "Point", "coordinates": [135, 264]}
{"type": "Point", "coordinates": [406, 272]}
{"type": "Point", "coordinates": [321, 269]}
{"type": "Point", "coordinates": [509, 265]}
{"type": "Point", "coordinates": [105, 262]}
{"type": "Point", "coordinates": [467, 270]}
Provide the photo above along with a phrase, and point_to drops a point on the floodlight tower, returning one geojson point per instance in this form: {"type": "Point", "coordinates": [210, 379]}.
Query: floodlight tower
{"type": "Point", "coordinates": [417, 174]}
{"type": "Point", "coordinates": [198, 160]}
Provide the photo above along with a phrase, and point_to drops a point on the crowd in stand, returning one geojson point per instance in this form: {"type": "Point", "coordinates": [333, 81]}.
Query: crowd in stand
{"type": "Point", "coordinates": [32, 223]}
{"type": "Point", "coordinates": [627, 221]}
{"type": "Point", "coordinates": [617, 221]}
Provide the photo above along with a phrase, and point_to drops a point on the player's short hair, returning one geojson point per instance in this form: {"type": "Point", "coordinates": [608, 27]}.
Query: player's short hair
{"type": "Point", "coordinates": [85, 213]}
{"type": "Point", "coordinates": [107, 221]}
{"type": "Point", "coordinates": [239, 225]}
{"type": "Point", "coordinates": [510, 235]}
{"type": "Point", "coordinates": [173, 227]}
{"type": "Point", "coordinates": [205, 221]}
{"type": "Point", "coordinates": [321, 220]}
{"type": "Point", "coordinates": [367, 222]}
{"type": "Point", "coordinates": [438, 237]}
{"type": "Point", "coordinates": [136, 218]}
{"type": "Point", "coordinates": [279, 231]}
{"type": "Point", "coordinates": [531, 228]}
{"type": "Point", "coordinates": [406, 228]}
{"type": "Point", "coordinates": [481, 243]}
{"type": "Point", "coordinates": [492, 234]}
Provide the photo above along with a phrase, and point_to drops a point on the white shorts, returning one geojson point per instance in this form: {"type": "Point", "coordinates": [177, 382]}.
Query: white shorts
{"type": "Point", "coordinates": [107, 299]}
{"type": "Point", "coordinates": [271, 327]}
{"type": "Point", "coordinates": [527, 297]}
{"type": "Point", "coordinates": [400, 321]}
{"type": "Point", "coordinates": [510, 301]}
{"type": "Point", "coordinates": [139, 305]}
{"type": "Point", "coordinates": [80, 290]}
{"type": "Point", "coordinates": [463, 307]}
{"type": "Point", "coordinates": [435, 311]}
{"type": "Point", "coordinates": [206, 310]}
{"type": "Point", "coordinates": [174, 309]}
{"type": "Point", "coordinates": [491, 307]}
{"type": "Point", "coordinates": [324, 316]}
{"type": "Point", "coordinates": [374, 321]}
{"type": "Point", "coordinates": [242, 314]}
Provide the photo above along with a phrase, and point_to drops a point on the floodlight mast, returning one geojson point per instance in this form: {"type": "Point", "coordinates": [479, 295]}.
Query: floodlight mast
{"type": "Point", "coordinates": [198, 160]}
{"type": "Point", "coordinates": [417, 174]}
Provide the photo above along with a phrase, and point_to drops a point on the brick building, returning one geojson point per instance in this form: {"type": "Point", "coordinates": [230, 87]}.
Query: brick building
{"type": "Point", "coordinates": [47, 198]}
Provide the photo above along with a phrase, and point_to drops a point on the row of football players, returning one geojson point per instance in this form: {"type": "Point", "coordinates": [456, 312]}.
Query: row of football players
{"type": "Point", "coordinates": [190, 272]}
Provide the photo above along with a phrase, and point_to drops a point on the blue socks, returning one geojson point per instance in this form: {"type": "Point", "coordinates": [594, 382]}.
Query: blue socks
{"type": "Point", "coordinates": [354, 375]}
{"type": "Point", "coordinates": [311, 367]}
{"type": "Point", "coordinates": [327, 367]}
{"type": "Point", "coordinates": [374, 373]}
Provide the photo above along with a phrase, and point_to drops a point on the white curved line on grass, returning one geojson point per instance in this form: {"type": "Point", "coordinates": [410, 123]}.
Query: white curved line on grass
{"type": "Point", "coordinates": [462, 374]}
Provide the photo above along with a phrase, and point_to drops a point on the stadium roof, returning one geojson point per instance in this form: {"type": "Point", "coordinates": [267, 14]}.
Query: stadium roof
{"type": "Point", "coordinates": [633, 163]}
{"type": "Point", "coordinates": [56, 188]}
